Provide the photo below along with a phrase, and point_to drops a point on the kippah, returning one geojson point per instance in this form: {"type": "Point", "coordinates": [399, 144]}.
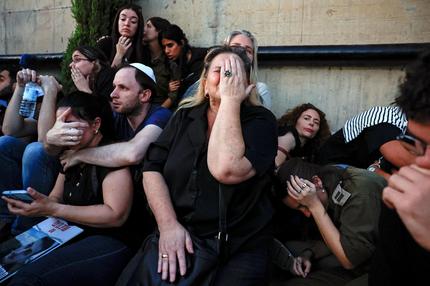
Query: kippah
{"type": "Point", "coordinates": [145, 69]}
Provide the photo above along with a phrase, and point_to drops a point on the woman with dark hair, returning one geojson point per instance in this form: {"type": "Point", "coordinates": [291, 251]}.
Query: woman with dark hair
{"type": "Point", "coordinates": [157, 60]}
{"type": "Point", "coordinates": [96, 198]}
{"type": "Point", "coordinates": [185, 62]}
{"type": "Point", "coordinates": [300, 133]}
{"type": "Point", "coordinates": [221, 141]}
{"type": "Point", "coordinates": [91, 72]}
{"type": "Point", "coordinates": [125, 43]}
{"type": "Point", "coordinates": [345, 205]}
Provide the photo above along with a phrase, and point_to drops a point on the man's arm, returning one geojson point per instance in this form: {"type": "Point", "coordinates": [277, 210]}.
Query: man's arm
{"type": "Point", "coordinates": [47, 111]}
{"type": "Point", "coordinates": [118, 154]}
{"type": "Point", "coordinates": [13, 123]}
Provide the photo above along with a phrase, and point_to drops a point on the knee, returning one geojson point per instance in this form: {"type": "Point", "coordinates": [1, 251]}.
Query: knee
{"type": "Point", "coordinates": [7, 142]}
{"type": "Point", "coordinates": [33, 151]}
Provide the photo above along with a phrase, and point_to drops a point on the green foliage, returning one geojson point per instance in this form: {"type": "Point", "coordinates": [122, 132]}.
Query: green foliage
{"type": "Point", "coordinates": [93, 19]}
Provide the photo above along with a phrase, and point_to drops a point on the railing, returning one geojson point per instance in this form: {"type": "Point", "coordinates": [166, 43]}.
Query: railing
{"type": "Point", "coordinates": [332, 55]}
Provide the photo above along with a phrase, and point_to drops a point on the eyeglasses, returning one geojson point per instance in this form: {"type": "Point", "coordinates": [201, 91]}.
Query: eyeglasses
{"type": "Point", "coordinates": [420, 145]}
{"type": "Point", "coordinates": [77, 60]}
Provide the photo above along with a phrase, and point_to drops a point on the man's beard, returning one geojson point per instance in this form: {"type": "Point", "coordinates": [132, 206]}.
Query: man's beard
{"type": "Point", "coordinates": [6, 93]}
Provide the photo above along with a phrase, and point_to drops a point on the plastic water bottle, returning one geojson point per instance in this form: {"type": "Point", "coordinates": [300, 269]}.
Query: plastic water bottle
{"type": "Point", "coordinates": [32, 92]}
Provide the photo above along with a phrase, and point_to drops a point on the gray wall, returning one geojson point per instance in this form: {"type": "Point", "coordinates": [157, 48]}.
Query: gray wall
{"type": "Point", "coordinates": [339, 91]}
{"type": "Point", "coordinates": [43, 26]}
{"type": "Point", "coordinates": [35, 26]}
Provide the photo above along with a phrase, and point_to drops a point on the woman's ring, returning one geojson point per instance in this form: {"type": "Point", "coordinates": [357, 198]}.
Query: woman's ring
{"type": "Point", "coordinates": [164, 256]}
{"type": "Point", "coordinates": [227, 73]}
{"type": "Point", "coordinates": [304, 186]}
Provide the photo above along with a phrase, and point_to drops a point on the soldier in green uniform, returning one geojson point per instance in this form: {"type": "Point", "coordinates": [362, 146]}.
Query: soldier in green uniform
{"type": "Point", "coordinates": [345, 203]}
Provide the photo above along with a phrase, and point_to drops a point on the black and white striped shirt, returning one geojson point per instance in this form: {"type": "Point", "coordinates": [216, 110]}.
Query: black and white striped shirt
{"type": "Point", "coordinates": [373, 116]}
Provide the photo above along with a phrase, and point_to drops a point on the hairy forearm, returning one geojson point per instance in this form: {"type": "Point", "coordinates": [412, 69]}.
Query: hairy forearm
{"type": "Point", "coordinates": [330, 234]}
{"type": "Point", "coordinates": [114, 155]}
{"type": "Point", "coordinates": [121, 154]}
{"type": "Point", "coordinates": [226, 150]}
{"type": "Point", "coordinates": [13, 123]}
{"type": "Point", "coordinates": [47, 114]}
{"type": "Point", "coordinates": [159, 201]}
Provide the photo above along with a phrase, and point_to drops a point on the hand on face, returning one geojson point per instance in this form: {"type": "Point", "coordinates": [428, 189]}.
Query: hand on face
{"type": "Point", "coordinates": [408, 192]}
{"type": "Point", "coordinates": [65, 134]}
{"type": "Point", "coordinates": [303, 191]}
{"type": "Point", "coordinates": [233, 84]}
{"type": "Point", "coordinates": [124, 43]}
{"type": "Point", "coordinates": [81, 82]}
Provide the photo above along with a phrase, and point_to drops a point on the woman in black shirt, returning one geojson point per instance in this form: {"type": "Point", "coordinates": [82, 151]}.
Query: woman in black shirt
{"type": "Point", "coordinates": [98, 199]}
{"type": "Point", "coordinates": [125, 43]}
{"type": "Point", "coordinates": [221, 138]}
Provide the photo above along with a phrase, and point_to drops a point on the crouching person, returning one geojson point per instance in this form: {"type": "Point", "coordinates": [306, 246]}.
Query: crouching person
{"type": "Point", "coordinates": [98, 199]}
{"type": "Point", "coordinates": [345, 205]}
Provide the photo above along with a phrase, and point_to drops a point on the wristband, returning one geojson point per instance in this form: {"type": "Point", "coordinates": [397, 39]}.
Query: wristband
{"type": "Point", "coordinates": [285, 152]}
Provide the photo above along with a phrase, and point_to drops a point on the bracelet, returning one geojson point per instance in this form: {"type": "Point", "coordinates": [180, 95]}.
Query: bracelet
{"type": "Point", "coordinates": [312, 252]}
{"type": "Point", "coordinates": [285, 152]}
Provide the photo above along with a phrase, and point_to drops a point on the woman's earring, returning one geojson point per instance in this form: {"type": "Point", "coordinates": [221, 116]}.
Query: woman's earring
{"type": "Point", "coordinates": [207, 95]}
{"type": "Point", "coordinates": [96, 131]}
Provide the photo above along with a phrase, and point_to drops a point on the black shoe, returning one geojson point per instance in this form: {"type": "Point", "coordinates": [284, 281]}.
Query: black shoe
{"type": "Point", "coordinates": [281, 256]}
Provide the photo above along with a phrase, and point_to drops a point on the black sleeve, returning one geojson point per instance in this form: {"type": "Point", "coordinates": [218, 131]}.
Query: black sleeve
{"type": "Point", "coordinates": [261, 140]}
{"type": "Point", "coordinates": [379, 134]}
{"type": "Point", "coordinates": [158, 151]}
{"type": "Point", "coordinates": [104, 83]}
{"type": "Point", "coordinates": [106, 46]}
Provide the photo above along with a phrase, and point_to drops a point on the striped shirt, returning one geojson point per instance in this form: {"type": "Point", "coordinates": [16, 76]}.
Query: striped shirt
{"type": "Point", "coordinates": [373, 116]}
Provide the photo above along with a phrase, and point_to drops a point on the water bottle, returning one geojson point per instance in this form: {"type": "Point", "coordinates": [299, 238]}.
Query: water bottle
{"type": "Point", "coordinates": [32, 92]}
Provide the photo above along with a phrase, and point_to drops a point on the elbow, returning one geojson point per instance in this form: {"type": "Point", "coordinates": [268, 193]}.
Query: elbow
{"type": "Point", "coordinates": [118, 219]}
{"type": "Point", "coordinates": [7, 130]}
{"type": "Point", "coordinates": [132, 157]}
{"type": "Point", "coordinates": [228, 176]}
{"type": "Point", "coordinates": [347, 264]}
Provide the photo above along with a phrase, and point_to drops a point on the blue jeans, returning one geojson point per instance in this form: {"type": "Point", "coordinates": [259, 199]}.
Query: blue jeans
{"type": "Point", "coordinates": [25, 165]}
{"type": "Point", "coordinates": [94, 260]}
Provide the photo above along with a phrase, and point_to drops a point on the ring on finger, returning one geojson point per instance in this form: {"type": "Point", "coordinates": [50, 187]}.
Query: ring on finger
{"type": "Point", "coordinates": [164, 256]}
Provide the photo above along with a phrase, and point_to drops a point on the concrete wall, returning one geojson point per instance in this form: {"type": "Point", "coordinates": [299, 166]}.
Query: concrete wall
{"type": "Point", "coordinates": [43, 26]}
{"type": "Point", "coordinates": [340, 91]}
{"type": "Point", "coordinates": [299, 22]}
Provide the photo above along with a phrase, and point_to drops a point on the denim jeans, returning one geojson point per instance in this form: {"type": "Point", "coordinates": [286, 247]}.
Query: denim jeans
{"type": "Point", "coordinates": [25, 165]}
{"type": "Point", "coordinates": [94, 260]}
